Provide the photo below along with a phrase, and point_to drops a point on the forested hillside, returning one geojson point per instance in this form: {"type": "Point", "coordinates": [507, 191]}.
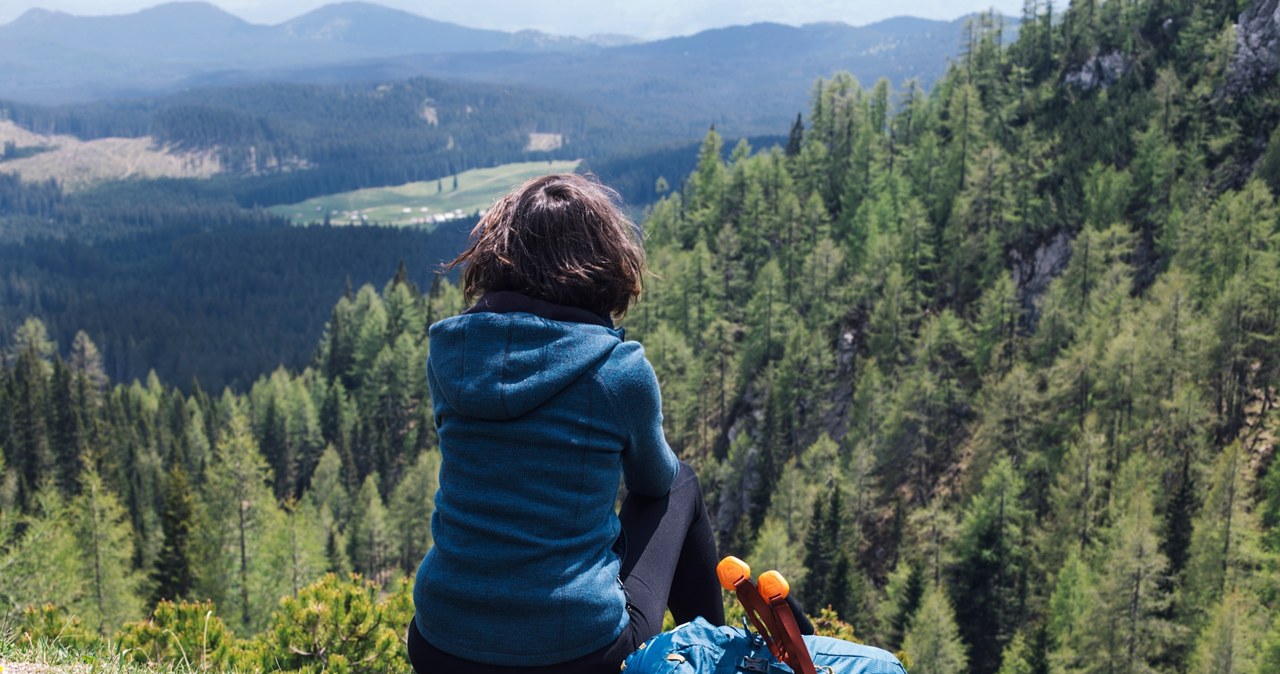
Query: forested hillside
{"type": "Point", "coordinates": [991, 371]}
{"type": "Point", "coordinates": [283, 143]}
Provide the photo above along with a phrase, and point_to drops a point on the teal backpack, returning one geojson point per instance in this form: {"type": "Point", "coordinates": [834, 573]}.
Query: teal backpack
{"type": "Point", "coordinates": [699, 648]}
{"type": "Point", "coordinates": [776, 647]}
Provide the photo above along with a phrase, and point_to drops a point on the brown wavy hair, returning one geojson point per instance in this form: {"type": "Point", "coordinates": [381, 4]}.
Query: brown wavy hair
{"type": "Point", "coordinates": [560, 238]}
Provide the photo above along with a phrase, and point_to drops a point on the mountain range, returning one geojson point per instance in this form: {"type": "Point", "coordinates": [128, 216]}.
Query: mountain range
{"type": "Point", "coordinates": [54, 57]}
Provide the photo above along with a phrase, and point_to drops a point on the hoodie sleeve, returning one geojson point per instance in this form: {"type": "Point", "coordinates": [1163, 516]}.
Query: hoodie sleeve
{"type": "Point", "coordinates": [648, 465]}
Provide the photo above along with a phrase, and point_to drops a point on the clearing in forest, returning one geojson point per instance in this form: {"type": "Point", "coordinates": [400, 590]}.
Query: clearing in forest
{"type": "Point", "coordinates": [423, 204]}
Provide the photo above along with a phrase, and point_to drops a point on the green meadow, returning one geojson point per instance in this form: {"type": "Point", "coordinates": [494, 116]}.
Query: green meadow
{"type": "Point", "coordinates": [423, 204]}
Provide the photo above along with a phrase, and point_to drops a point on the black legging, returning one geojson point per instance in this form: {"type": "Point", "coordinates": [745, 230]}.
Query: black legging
{"type": "Point", "coordinates": [668, 553]}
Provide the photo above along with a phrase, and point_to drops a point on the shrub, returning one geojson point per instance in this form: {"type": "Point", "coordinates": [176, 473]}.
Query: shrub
{"type": "Point", "coordinates": [828, 624]}
{"type": "Point", "coordinates": [187, 633]}
{"type": "Point", "coordinates": [53, 624]}
{"type": "Point", "coordinates": [337, 626]}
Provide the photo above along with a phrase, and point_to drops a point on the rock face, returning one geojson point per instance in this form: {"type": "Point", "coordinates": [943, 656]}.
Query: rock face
{"type": "Point", "coordinates": [1257, 57]}
{"type": "Point", "coordinates": [1032, 275]}
{"type": "Point", "coordinates": [1100, 71]}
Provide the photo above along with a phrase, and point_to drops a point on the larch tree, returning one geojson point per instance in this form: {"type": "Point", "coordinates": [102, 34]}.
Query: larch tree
{"type": "Point", "coordinates": [239, 510]}
{"type": "Point", "coordinates": [410, 509]}
{"type": "Point", "coordinates": [104, 537]}
{"type": "Point", "coordinates": [44, 563]}
{"type": "Point", "coordinates": [1068, 610]}
{"type": "Point", "coordinates": [1078, 497]}
{"type": "Point", "coordinates": [1125, 629]}
{"type": "Point", "coordinates": [368, 534]}
{"type": "Point", "coordinates": [1231, 642]}
{"type": "Point", "coordinates": [1225, 552]}
{"type": "Point", "coordinates": [298, 544]}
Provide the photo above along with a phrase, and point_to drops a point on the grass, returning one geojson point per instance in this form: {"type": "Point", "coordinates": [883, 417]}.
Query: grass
{"type": "Point", "coordinates": [42, 655]}
{"type": "Point", "coordinates": [22, 655]}
{"type": "Point", "coordinates": [477, 190]}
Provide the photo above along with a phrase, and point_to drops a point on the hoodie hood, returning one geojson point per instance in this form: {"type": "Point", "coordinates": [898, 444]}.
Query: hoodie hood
{"type": "Point", "coordinates": [502, 365]}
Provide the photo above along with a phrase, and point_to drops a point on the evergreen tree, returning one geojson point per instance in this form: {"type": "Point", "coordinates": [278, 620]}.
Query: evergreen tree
{"type": "Point", "coordinates": [1079, 496]}
{"type": "Point", "coordinates": [796, 138]}
{"type": "Point", "coordinates": [86, 360]}
{"type": "Point", "coordinates": [989, 575]}
{"type": "Point", "coordinates": [173, 576]}
{"type": "Point", "coordinates": [902, 598]}
{"type": "Point", "coordinates": [816, 562]}
{"type": "Point", "coordinates": [933, 642]}
{"type": "Point", "coordinates": [1017, 657]}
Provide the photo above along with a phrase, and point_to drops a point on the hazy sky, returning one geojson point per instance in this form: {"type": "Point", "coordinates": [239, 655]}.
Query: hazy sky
{"type": "Point", "coordinates": [641, 18]}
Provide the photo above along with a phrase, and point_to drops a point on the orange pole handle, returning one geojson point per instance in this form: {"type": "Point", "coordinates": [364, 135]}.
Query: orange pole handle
{"type": "Point", "coordinates": [773, 587]}
{"type": "Point", "coordinates": [732, 571]}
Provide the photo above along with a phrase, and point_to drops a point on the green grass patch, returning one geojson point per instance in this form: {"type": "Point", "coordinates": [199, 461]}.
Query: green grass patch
{"type": "Point", "coordinates": [422, 203]}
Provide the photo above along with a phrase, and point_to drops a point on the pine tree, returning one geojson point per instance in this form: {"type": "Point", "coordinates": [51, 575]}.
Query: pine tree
{"type": "Point", "coordinates": [67, 434]}
{"type": "Point", "coordinates": [36, 462]}
{"type": "Point", "coordinates": [339, 625]}
{"type": "Point", "coordinates": [173, 576]}
{"type": "Point", "coordinates": [796, 138]}
{"type": "Point", "coordinates": [989, 575]}
{"type": "Point", "coordinates": [816, 562]}
{"type": "Point", "coordinates": [1017, 657]}
{"type": "Point", "coordinates": [86, 360]}
{"type": "Point", "coordinates": [1079, 496]}
{"type": "Point", "coordinates": [903, 592]}
{"type": "Point", "coordinates": [773, 549]}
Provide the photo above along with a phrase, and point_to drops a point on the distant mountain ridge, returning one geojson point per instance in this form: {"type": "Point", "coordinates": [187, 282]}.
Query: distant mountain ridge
{"type": "Point", "coordinates": [746, 80]}
{"type": "Point", "coordinates": [54, 57]}
{"type": "Point", "coordinates": [51, 57]}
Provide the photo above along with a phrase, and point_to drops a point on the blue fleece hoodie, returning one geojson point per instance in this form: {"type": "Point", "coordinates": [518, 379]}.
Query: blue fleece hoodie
{"type": "Point", "coordinates": [537, 418]}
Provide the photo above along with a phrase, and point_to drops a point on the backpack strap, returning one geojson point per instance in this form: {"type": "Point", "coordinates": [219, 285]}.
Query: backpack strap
{"type": "Point", "coordinates": [768, 611]}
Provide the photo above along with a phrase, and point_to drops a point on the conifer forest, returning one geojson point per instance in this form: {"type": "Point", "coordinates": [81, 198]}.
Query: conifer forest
{"type": "Point", "coordinates": [990, 371]}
